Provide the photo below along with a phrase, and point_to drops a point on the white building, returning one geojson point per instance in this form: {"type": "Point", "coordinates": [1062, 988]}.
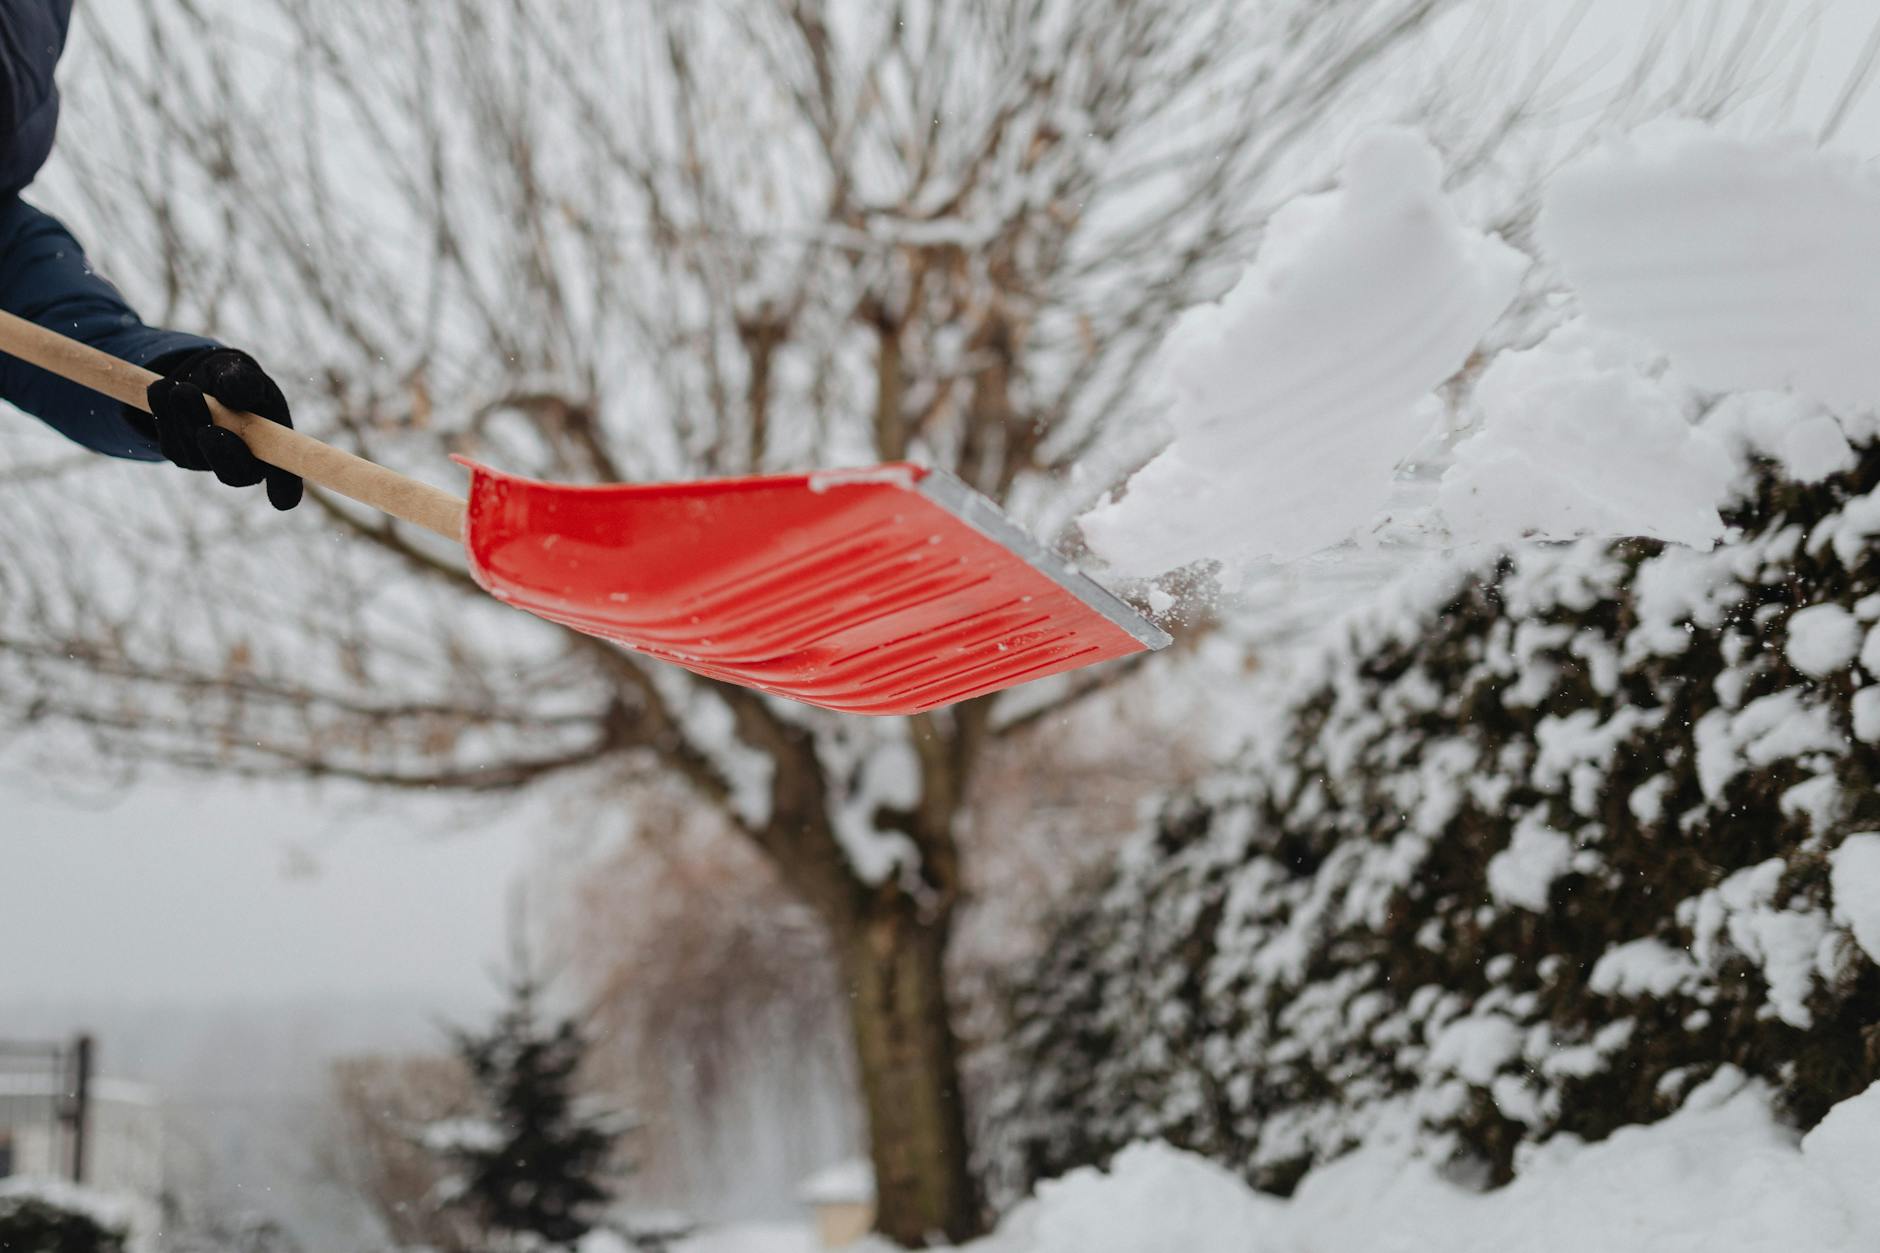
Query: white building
{"type": "Point", "coordinates": [123, 1136]}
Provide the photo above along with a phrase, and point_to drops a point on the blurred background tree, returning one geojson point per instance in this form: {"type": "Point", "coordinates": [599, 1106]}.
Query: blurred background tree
{"type": "Point", "coordinates": [373, 1150]}
{"type": "Point", "coordinates": [533, 1157]}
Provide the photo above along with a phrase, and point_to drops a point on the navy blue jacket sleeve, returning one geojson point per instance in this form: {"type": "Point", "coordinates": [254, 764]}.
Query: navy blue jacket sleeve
{"type": "Point", "coordinates": [45, 278]}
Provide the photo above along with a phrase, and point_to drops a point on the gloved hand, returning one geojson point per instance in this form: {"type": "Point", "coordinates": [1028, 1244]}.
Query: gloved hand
{"type": "Point", "coordinates": [185, 434]}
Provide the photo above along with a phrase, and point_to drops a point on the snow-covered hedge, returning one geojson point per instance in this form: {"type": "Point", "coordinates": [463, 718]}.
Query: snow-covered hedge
{"type": "Point", "coordinates": [1533, 850]}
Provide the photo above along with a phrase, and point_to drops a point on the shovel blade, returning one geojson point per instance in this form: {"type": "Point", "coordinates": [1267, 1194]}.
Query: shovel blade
{"type": "Point", "coordinates": [890, 590]}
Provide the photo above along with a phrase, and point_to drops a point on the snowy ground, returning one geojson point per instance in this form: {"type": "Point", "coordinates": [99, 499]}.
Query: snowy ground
{"type": "Point", "coordinates": [1722, 1176]}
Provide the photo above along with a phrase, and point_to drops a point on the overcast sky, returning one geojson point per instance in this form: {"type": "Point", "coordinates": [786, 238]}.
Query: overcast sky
{"type": "Point", "coordinates": [216, 892]}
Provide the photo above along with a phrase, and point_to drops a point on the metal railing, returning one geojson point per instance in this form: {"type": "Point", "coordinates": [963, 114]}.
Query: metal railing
{"type": "Point", "coordinates": [47, 1085]}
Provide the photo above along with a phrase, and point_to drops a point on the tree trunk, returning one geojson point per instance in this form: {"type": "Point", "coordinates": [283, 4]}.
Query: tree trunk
{"type": "Point", "coordinates": [894, 965]}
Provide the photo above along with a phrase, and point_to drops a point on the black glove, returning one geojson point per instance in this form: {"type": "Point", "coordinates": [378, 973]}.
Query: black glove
{"type": "Point", "coordinates": [185, 434]}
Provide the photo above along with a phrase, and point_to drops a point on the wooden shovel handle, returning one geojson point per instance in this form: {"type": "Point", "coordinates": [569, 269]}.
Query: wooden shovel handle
{"type": "Point", "coordinates": [386, 490]}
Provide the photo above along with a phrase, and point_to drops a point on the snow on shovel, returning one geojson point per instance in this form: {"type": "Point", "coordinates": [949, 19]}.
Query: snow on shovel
{"type": "Point", "coordinates": [889, 590]}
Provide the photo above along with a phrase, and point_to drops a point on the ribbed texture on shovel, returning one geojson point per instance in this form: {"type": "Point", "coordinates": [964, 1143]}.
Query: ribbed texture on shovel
{"type": "Point", "coordinates": [852, 592]}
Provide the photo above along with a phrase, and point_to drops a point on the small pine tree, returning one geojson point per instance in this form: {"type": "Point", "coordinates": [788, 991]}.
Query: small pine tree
{"type": "Point", "coordinates": [536, 1164]}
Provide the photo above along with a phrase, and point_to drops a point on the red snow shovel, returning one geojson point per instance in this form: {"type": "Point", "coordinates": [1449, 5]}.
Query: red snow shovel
{"type": "Point", "coordinates": [890, 590]}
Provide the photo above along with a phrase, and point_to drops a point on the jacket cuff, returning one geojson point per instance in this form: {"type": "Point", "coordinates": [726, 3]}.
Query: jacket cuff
{"type": "Point", "coordinates": [151, 353]}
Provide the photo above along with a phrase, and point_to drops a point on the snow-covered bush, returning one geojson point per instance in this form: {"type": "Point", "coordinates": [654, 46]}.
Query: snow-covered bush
{"type": "Point", "coordinates": [1533, 850]}
{"type": "Point", "coordinates": [43, 1214]}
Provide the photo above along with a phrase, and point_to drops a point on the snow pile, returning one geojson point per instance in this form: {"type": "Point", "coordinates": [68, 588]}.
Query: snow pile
{"type": "Point", "coordinates": [1523, 852]}
{"type": "Point", "coordinates": [1576, 437]}
{"type": "Point", "coordinates": [764, 1238]}
{"type": "Point", "coordinates": [1298, 395]}
{"type": "Point", "coordinates": [1702, 263]}
{"type": "Point", "coordinates": [1754, 262]}
{"type": "Point", "coordinates": [850, 1182]}
{"type": "Point", "coordinates": [1153, 1197]}
{"type": "Point", "coordinates": [1720, 1174]}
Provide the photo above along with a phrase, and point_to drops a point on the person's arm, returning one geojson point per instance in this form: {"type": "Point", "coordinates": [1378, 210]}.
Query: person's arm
{"type": "Point", "coordinates": [45, 278]}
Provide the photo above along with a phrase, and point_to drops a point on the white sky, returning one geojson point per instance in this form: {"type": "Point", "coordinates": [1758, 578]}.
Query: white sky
{"type": "Point", "coordinates": [214, 891]}
{"type": "Point", "coordinates": [185, 893]}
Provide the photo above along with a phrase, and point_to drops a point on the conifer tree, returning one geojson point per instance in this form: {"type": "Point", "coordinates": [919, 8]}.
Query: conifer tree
{"type": "Point", "coordinates": [534, 1163]}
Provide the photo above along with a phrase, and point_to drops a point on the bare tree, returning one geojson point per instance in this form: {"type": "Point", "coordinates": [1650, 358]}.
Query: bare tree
{"type": "Point", "coordinates": [716, 1007]}
{"type": "Point", "coordinates": [714, 991]}
{"type": "Point", "coordinates": [598, 241]}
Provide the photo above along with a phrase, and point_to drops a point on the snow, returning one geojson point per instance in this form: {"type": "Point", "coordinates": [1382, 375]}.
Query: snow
{"type": "Point", "coordinates": [1870, 652]}
{"type": "Point", "coordinates": [1298, 394]}
{"type": "Point", "coordinates": [1723, 1173]}
{"type": "Point", "coordinates": [1477, 1047]}
{"type": "Point", "coordinates": [601, 1241]}
{"type": "Point", "coordinates": [1850, 533]}
{"type": "Point", "coordinates": [1647, 801]}
{"type": "Point", "coordinates": [1523, 874]}
{"type": "Point", "coordinates": [1755, 263]}
{"type": "Point", "coordinates": [1843, 1148]}
{"type": "Point", "coordinates": [874, 764]}
{"type": "Point", "coordinates": [759, 1238]}
{"type": "Point", "coordinates": [850, 1182]}
{"type": "Point", "coordinates": [1578, 748]}
{"type": "Point", "coordinates": [1577, 438]}
{"type": "Point", "coordinates": [1814, 447]}
{"type": "Point", "coordinates": [900, 476]}
{"type": "Point", "coordinates": [1767, 730]}
{"type": "Point", "coordinates": [462, 1135]}
{"type": "Point", "coordinates": [1866, 707]}
{"type": "Point", "coordinates": [1822, 640]}
{"type": "Point", "coordinates": [110, 1212]}
{"type": "Point", "coordinates": [1646, 967]}
{"type": "Point", "coordinates": [1741, 915]}
{"type": "Point", "coordinates": [136, 1218]}
{"type": "Point", "coordinates": [1153, 1197]}
{"type": "Point", "coordinates": [1856, 881]}
{"type": "Point", "coordinates": [1701, 263]}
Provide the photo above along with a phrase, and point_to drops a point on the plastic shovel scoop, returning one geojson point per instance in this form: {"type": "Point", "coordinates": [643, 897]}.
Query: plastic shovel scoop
{"type": "Point", "coordinates": [884, 591]}
{"type": "Point", "coordinates": [890, 590]}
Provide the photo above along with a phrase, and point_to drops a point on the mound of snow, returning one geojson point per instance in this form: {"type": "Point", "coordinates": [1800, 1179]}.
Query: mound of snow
{"type": "Point", "coordinates": [1152, 1197]}
{"type": "Point", "coordinates": [1298, 393]}
{"type": "Point", "coordinates": [1722, 1174]}
{"type": "Point", "coordinates": [1754, 262]}
{"type": "Point", "coordinates": [1577, 439]}
{"type": "Point", "coordinates": [1752, 266]}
